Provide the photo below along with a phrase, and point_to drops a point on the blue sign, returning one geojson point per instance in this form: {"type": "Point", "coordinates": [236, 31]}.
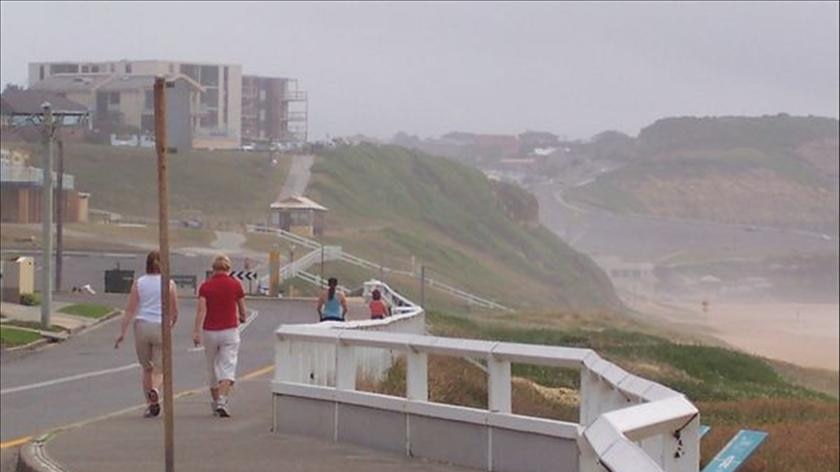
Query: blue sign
{"type": "Point", "coordinates": [739, 449]}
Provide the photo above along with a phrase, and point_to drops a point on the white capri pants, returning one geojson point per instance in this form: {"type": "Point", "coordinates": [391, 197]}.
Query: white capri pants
{"type": "Point", "coordinates": [221, 349]}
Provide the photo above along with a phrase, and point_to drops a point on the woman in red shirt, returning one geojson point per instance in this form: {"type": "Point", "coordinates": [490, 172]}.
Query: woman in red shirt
{"type": "Point", "coordinates": [379, 308]}
{"type": "Point", "coordinates": [220, 298]}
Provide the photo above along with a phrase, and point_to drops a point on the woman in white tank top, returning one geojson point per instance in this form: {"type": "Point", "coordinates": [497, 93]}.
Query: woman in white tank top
{"type": "Point", "coordinates": [144, 307]}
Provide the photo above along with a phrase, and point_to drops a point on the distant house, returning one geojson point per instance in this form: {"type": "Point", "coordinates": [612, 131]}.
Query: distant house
{"type": "Point", "coordinates": [117, 102]}
{"type": "Point", "coordinates": [498, 144]}
{"type": "Point", "coordinates": [299, 215]}
{"type": "Point", "coordinates": [20, 111]}
{"type": "Point", "coordinates": [21, 191]}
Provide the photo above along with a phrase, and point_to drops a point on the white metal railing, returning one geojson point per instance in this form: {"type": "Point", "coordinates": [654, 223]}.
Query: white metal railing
{"type": "Point", "coordinates": [626, 423]}
{"type": "Point", "coordinates": [344, 256]}
{"type": "Point", "coordinates": [316, 280]}
{"type": "Point", "coordinates": [329, 253]}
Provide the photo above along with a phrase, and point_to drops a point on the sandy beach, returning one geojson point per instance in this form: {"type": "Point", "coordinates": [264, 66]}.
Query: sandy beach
{"type": "Point", "coordinates": [805, 334]}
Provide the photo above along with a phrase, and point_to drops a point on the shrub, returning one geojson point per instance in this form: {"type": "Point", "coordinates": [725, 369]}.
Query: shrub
{"type": "Point", "coordinates": [30, 299]}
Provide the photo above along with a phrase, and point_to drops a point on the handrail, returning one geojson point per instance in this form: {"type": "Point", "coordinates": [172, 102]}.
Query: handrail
{"type": "Point", "coordinates": [364, 263]}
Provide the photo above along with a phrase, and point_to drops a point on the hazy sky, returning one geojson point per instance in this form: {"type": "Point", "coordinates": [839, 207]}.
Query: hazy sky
{"type": "Point", "coordinates": [427, 68]}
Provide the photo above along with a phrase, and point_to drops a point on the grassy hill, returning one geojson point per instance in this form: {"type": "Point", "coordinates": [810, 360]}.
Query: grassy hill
{"type": "Point", "coordinates": [390, 202]}
{"type": "Point", "coordinates": [223, 186]}
{"type": "Point", "coordinates": [386, 204]}
{"type": "Point", "coordinates": [772, 170]}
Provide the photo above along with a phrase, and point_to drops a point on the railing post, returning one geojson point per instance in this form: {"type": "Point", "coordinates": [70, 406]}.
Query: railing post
{"type": "Point", "coordinates": [284, 362]}
{"type": "Point", "coordinates": [587, 459]}
{"type": "Point", "coordinates": [498, 386]}
{"type": "Point", "coordinates": [345, 367]}
{"type": "Point", "coordinates": [417, 376]}
{"type": "Point", "coordinates": [682, 450]}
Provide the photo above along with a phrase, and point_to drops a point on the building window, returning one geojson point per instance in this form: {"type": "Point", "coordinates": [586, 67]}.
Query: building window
{"type": "Point", "coordinates": [41, 73]}
{"type": "Point", "coordinates": [171, 68]}
{"type": "Point", "coordinates": [190, 71]}
{"type": "Point", "coordinates": [210, 98]}
{"type": "Point", "coordinates": [114, 98]}
{"type": "Point", "coordinates": [127, 67]}
{"type": "Point", "coordinates": [210, 120]}
{"type": "Point", "coordinates": [94, 69]}
{"type": "Point", "coordinates": [149, 99]}
{"type": "Point", "coordinates": [64, 69]}
{"type": "Point", "coordinates": [112, 68]}
{"type": "Point", "coordinates": [209, 76]}
{"type": "Point", "coordinates": [85, 69]}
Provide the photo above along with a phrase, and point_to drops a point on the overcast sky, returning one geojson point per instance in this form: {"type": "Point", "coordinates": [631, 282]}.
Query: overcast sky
{"type": "Point", "coordinates": [574, 69]}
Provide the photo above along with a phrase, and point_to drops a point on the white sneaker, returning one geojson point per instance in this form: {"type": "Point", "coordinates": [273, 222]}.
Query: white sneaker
{"type": "Point", "coordinates": [222, 408]}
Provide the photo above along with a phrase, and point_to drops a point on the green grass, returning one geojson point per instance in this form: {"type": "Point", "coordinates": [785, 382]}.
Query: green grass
{"type": "Point", "coordinates": [88, 310]}
{"type": "Point", "coordinates": [227, 186]}
{"type": "Point", "coordinates": [704, 373]}
{"type": "Point", "coordinates": [391, 203]}
{"type": "Point", "coordinates": [11, 337]}
{"type": "Point", "coordinates": [33, 325]}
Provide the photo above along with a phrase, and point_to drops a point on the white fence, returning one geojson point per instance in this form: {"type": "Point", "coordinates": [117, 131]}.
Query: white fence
{"type": "Point", "coordinates": [626, 423]}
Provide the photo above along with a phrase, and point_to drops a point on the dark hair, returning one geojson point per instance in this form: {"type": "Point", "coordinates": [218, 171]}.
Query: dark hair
{"type": "Point", "coordinates": [153, 262]}
{"type": "Point", "coordinates": [376, 294]}
{"type": "Point", "coordinates": [332, 283]}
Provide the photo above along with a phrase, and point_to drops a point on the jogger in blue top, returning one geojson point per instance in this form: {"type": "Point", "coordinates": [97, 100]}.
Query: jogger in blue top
{"type": "Point", "coordinates": [332, 306]}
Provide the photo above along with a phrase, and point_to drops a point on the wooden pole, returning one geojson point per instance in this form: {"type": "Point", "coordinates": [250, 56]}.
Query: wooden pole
{"type": "Point", "coordinates": [163, 226]}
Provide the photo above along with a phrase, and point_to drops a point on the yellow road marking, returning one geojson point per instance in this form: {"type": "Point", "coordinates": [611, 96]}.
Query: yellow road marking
{"type": "Point", "coordinates": [15, 442]}
{"type": "Point", "coordinates": [258, 372]}
{"type": "Point", "coordinates": [25, 439]}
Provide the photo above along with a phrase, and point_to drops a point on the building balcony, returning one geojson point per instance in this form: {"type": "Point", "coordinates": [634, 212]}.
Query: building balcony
{"type": "Point", "coordinates": [295, 116]}
{"type": "Point", "coordinates": [298, 96]}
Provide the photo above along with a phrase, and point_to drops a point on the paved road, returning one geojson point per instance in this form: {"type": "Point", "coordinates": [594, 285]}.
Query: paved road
{"type": "Point", "coordinates": [652, 239]}
{"type": "Point", "coordinates": [85, 376]}
{"type": "Point", "coordinates": [298, 177]}
{"type": "Point", "coordinates": [82, 268]}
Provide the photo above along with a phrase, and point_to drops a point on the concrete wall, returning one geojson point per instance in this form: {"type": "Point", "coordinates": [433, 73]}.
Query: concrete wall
{"type": "Point", "coordinates": [132, 105]}
{"type": "Point", "coordinates": [22, 204]}
{"type": "Point", "coordinates": [465, 437]}
{"type": "Point", "coordinates": [234, 101]}
{"type": "Point", "coordinates": [179, 116]}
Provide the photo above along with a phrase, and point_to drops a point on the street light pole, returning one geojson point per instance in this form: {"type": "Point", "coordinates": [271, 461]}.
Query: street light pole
{"type": "Point", "coordinates": [46, 216]}
{"type": "Point", "coordinates": [59, 223]}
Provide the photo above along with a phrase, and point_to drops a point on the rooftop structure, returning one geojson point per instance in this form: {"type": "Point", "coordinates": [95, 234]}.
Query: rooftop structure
{"type": "Point", "coordinates": [299, 215]}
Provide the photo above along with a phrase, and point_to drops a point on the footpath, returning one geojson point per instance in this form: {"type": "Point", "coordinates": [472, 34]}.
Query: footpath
{"type": "Point", "coordinates": [244, 442]}
{"type": "Point", "coordinates": [32, 314]}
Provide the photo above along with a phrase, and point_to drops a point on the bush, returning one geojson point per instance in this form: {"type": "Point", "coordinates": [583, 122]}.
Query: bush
{"type": "Point", "coordinates": [30, 299]}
